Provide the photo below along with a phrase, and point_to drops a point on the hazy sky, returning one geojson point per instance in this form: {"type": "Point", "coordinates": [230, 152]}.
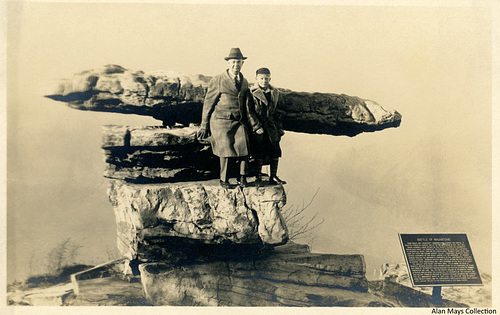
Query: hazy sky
{"type": "Point", "coordinates": [432, 64]}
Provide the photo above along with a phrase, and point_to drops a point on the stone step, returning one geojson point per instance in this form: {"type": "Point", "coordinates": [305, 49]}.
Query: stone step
{"type": "Point", "coordinates": [51, 296]}
{"type": "Point", "coordinates": [108, 291]}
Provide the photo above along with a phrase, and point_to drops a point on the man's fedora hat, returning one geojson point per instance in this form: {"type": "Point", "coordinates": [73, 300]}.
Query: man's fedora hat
{"type": "Point", "coordinates": [235, 53]}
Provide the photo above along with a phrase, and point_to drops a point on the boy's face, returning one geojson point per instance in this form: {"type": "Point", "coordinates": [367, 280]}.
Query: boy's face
{"type": "Point", "coordinates": [263, 80]}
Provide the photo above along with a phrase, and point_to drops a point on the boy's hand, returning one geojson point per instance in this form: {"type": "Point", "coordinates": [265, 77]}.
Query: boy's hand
{"type": "Point", "coordinates": [259, 131]}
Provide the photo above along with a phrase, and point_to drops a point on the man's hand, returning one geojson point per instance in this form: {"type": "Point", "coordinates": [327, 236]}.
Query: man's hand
{"type": "Point", "coordinates": [259, 131]}
{"type": "Point", "coordinates": [202, 133]}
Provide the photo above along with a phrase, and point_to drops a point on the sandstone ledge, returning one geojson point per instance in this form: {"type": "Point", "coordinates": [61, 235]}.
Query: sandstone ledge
{"type": "Point", "coordinates": [278, 278]}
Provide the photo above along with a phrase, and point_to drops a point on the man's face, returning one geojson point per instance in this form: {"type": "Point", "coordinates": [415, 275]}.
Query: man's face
{"type": "Point", "coordinates": [263, 80]}
{"type": "Point", "coordinates": [235, 65]}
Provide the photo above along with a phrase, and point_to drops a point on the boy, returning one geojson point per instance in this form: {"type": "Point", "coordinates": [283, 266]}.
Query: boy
{"type": "Point", "coordinates": [266, 128]}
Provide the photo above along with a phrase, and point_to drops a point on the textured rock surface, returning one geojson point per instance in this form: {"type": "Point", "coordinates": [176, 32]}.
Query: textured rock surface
{"type": "Point", "coordinates": [278, 278]}
{"type": "Point", "coordinates": [157, 154]}
{"type": "Point", "coordinates": [173, 221]}
{"type": "Point", "coordinates": [176, 98]}
{"type": "Point", "coordinates": [287, 276]}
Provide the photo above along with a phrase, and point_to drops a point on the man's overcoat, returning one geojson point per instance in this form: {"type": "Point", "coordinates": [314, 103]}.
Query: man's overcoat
{"type": "Point", "coordinates": [224, 112]}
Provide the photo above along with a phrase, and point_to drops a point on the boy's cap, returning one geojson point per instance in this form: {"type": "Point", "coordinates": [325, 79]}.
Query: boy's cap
{"type": "Point", "coordinates": [262, 71]}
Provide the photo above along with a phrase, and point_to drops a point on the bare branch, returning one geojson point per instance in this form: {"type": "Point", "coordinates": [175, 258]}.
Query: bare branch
{"type": "Point", "coordinates": [297, 221]}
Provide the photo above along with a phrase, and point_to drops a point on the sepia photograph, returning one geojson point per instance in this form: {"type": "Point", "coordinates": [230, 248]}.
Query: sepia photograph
{"type": "Point", "coordinates": [279, 156]}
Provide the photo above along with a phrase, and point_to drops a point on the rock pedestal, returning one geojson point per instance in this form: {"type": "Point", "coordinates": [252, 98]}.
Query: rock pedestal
{"type": "Point", "coordinates": [197, 243]}
{"type": "Point", "coordinates": [165, 207]}
{"type": "Point", "coordinates": [184, 220]}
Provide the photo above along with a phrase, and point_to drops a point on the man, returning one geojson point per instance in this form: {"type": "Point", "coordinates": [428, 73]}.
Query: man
{"type": "Point", "coordinates": [267, 129]}
{"type": "Point", "coordinates": [225, 116]}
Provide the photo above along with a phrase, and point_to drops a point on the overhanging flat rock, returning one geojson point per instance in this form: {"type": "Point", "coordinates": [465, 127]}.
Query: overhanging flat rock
{"type": "Point", "coordinates": [177, 98]}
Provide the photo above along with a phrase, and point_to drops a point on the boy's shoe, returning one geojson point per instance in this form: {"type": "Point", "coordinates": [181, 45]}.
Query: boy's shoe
{"type": "Point", "coordinates": [275, 181]}
{"type": "Point", "coordinates": [258, 179]}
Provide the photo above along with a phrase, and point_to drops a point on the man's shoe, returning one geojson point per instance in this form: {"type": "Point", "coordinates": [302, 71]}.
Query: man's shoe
{"type": "Point", "coordinates": [275, 181]}
{"type": "Point", "coordinates": [224, 184]}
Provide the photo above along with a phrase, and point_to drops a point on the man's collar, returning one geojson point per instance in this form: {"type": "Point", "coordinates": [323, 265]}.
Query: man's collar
{"type": "Point", "coordinates": [232, 75]}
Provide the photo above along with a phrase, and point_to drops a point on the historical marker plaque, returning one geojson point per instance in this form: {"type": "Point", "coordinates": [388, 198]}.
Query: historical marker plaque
{"type": "Point", "coordinates": [439, 259]}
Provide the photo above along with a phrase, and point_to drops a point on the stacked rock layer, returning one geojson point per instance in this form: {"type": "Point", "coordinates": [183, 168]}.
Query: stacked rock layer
{"type": "Point", "coordinates": [289, 276]}
{"type": "Point", "coordinates": [156, 154]}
